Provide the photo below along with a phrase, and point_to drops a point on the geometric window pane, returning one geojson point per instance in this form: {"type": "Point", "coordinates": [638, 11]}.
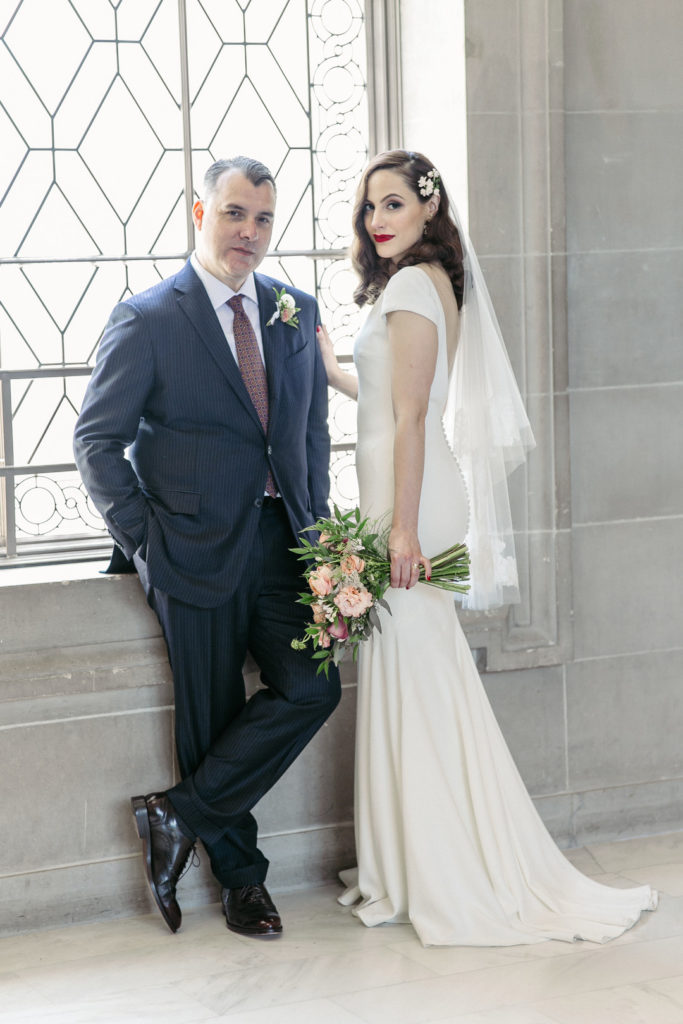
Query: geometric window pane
{"type": "Point", "coordinates": [96, 186]}
{"type": "Point", "coordinates": [55, 504]}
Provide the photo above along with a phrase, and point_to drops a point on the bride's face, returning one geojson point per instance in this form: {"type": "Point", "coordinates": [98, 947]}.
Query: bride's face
{"type": "Point", "coordinates": [394, 217]}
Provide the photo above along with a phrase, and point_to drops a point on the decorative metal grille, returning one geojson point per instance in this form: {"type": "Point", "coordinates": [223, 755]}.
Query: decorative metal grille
{"type": "Point", "coordinates": [108, 116]}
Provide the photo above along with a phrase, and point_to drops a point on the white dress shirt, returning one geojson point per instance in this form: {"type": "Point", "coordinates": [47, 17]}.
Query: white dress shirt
{"type": "Point", "coordinates": [219, 293]}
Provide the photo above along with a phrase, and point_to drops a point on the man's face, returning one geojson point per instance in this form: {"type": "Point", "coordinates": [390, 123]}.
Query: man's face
{"type": "Point", "coordinates": [234, 226]}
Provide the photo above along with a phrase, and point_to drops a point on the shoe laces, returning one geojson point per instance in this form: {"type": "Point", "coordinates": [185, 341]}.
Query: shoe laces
{"type": "Point", "coordinates": [192, 862]}
{"type": "Point", "coordinates": [252, 894]}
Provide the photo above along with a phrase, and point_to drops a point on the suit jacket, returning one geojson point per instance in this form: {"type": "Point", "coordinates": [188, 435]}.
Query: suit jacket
{"type": "Point", "coordinates": [166, 386]}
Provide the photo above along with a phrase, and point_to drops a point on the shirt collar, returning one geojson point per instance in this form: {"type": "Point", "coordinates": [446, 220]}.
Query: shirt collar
{"type": "Point", "coordinates": [218, 292]}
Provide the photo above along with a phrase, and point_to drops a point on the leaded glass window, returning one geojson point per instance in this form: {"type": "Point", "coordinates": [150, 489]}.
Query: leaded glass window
{"type": "Point", "coordinates": [110, 111]}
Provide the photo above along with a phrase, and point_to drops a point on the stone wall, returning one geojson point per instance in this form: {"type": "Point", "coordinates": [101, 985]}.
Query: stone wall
{"type": "Point", "coordinates": [597, 735]}
{"type": "Point", "coordinates": [86, 722]}
{"type": "Point", "coordinates": [624, 164]}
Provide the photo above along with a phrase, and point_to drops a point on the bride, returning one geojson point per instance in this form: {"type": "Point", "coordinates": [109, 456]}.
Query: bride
{"type": "Point", "coordinates": [447, 836]}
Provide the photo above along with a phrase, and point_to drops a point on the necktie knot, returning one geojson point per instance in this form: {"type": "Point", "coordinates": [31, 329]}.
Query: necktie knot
{"type": "Point", "coordinates": [235, 304]}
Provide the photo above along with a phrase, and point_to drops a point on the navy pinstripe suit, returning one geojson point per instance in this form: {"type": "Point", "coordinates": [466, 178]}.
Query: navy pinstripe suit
{"type": "Point", "coordinates": [188, 505]}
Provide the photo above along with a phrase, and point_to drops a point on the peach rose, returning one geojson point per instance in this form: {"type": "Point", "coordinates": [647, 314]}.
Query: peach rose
{"type": "Point", "coordinates": [320, 580]}
{"type": "Point", "coordinates": [318, 612]}
{"type": "Point", "coordinates": [352, 563]}
{"type": "Point", "coordinates": [353, 601]}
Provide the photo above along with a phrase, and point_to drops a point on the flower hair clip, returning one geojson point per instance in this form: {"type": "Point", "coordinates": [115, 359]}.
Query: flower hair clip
{"type": "Point", "coordinates": [430, 183]}
{"type": "Point", "coordinates": [286, 309]}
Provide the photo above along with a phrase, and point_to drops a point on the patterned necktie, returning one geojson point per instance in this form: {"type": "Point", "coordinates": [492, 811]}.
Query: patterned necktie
{"type": "Point", "coordinates": [252, 369]}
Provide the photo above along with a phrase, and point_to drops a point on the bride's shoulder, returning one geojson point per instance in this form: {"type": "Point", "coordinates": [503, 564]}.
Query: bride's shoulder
{"type": "Point", "coordinates": [416, 273]}
{"type": "Point", "coordinates": [410, 288]}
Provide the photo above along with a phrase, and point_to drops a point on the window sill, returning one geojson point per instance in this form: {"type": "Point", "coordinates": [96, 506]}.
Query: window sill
{"type": "Point", "coordinates": [60, 572]}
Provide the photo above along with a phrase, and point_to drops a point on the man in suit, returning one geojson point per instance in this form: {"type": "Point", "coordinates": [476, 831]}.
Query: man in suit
{"type": "Point", "coordinates": [223, 406]}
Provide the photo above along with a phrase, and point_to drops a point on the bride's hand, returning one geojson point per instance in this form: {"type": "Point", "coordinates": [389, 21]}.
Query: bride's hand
{"type": "Point", "coordinates": [337, 378]}
{"type": "Point", "coordinates": [406, 559]}
{"type": "Point", "coordinates": [332, 367]}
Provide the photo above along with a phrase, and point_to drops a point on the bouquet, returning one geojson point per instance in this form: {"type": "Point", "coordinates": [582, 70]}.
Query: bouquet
{"type": "Point", "coordinates": [348, 571]}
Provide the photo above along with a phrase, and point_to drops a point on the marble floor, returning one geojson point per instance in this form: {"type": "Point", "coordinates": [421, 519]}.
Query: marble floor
{"type": "Point", "coordinates": [329, 969]}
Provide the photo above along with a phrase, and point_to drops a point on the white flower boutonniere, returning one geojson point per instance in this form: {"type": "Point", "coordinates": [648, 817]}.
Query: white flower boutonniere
{"type": "Point", "coordinates": [286, 309]}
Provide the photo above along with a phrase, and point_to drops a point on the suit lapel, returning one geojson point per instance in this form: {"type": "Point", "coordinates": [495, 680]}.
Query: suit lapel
{"type": "Point", "coordinates": [195, 304]}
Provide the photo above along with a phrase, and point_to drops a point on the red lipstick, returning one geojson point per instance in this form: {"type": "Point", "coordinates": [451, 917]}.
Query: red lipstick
{"type": "Point", "coordinates": [382, 238]}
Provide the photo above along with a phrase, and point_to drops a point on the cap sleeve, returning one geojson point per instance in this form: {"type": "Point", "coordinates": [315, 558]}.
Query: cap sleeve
{"type": "Point", "coordinates": [410, 289]}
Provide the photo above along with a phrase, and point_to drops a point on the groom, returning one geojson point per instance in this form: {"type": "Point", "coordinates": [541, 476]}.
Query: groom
{"type": "Point", "coordinates": [219, 390]}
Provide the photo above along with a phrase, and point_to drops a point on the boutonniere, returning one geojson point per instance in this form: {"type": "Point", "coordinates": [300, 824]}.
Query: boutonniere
{"type": "Point", "coordinates": [286, 309]}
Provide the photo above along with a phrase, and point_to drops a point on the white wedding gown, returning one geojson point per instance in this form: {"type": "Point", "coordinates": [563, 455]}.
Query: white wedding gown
{"type": "Point", "coordinates": [447, 836]}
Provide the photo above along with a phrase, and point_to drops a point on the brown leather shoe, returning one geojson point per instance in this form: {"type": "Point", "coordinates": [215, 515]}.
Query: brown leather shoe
{"type": "Point", "coordinates": [249, 910]}
{"type": "Point", "coordinates": [165, 848]}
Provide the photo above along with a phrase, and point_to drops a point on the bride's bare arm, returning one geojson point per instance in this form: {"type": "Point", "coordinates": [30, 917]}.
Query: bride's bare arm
{"type": "Point", "coordinates": [337, 378]}
{"type": "Point", "coordinates": [414, 344]}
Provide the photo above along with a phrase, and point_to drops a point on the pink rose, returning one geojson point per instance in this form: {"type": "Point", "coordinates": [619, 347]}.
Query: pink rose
{"type": "Point", "coordinates": [353, 601]}
{"type": "Point", "coordinates": [318, 612]}
{"type": "Point", "coordinates": [352, 563]}
{"type": "Point", "coordinates": [338, 630]}
{"type": "Point", "coordinates": [320, 580]}
{"type": "Point", "coordinates": [286, 314]}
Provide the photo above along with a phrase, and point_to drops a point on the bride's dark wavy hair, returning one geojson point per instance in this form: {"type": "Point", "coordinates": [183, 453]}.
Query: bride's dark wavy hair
{"type": "Point", "coordinates": [441, 244]}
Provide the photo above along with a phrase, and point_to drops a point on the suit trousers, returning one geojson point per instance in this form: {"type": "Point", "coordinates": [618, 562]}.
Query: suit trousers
{"type": "Point", "coordinates": [232, 750]}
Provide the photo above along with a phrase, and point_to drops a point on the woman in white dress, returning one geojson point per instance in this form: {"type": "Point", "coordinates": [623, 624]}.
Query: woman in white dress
{"type": "Point", "coordinates": [447, 836]}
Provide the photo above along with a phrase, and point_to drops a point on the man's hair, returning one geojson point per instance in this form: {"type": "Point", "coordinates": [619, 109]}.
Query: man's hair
{"type": "Point", "coordinates": [253, 170]}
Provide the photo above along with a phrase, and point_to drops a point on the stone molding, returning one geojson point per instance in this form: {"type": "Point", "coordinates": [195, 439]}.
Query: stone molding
{"type": "Point", "coordinates": [538, 630]}
{"type": "Point", "coordinates": [383, 35]}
